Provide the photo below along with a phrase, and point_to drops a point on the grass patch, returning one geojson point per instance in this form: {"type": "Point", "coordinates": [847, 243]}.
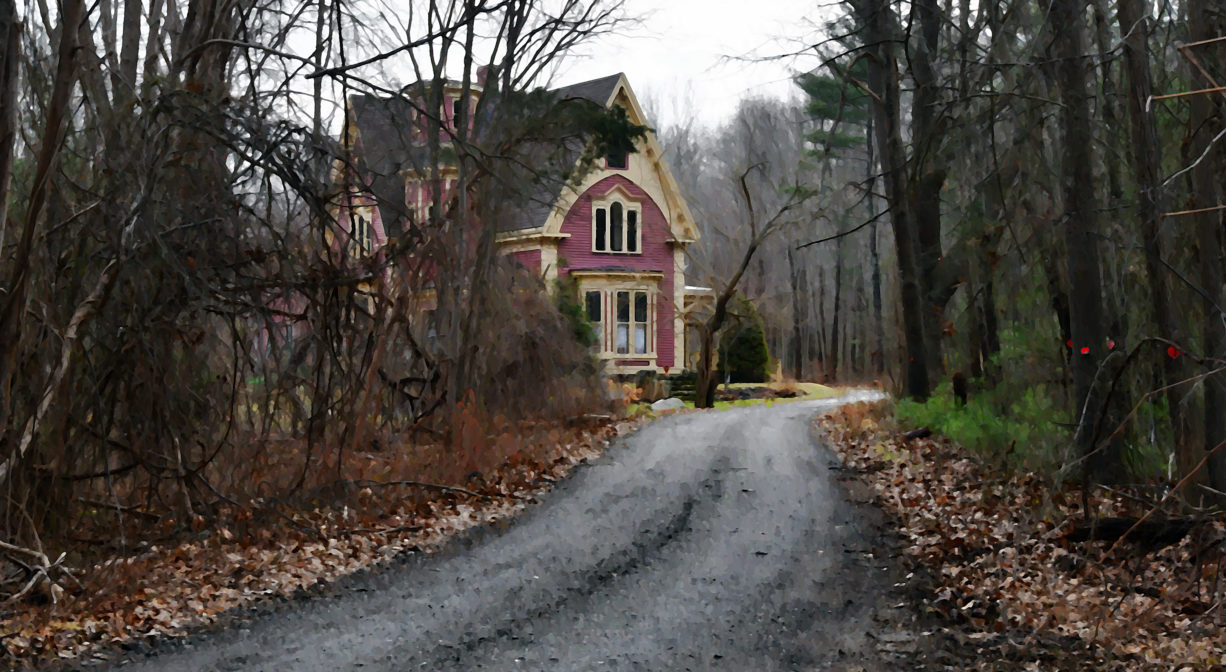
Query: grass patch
{"type": "Point", "coordinates": [1000, 426]}
{"type": "Point", "coordinates": [805, 392]}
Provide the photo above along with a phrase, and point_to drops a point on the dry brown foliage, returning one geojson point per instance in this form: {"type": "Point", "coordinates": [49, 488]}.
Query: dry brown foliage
{"type": "Point", "coordinates": [184, 581]}
{"type": "Point", "coordinates": [990, 557]}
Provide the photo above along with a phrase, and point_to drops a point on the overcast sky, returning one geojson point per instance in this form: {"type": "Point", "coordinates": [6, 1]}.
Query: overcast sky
{"type": "Point", "coordinates": [675, 60]}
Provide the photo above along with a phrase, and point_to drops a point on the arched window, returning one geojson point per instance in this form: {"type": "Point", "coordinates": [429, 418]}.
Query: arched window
{"type": "Point", "coordinates": [615, 228]}
{"type": "Point", "coordinates": [600, 239]}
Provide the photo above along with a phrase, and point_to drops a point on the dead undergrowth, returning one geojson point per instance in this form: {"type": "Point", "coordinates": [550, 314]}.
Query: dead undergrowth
{"type": "Point", "coordinates": [993, 563]}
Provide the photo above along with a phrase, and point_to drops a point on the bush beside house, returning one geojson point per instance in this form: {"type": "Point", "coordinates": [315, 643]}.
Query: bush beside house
{"type": "Point", "coordinates": [743, 355]}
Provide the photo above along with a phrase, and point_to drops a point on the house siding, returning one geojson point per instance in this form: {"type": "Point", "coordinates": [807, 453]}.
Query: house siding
{"type": "Point", "coordinates": [529, 259]}
{"type": "Point", "coordinates": [575, 253]}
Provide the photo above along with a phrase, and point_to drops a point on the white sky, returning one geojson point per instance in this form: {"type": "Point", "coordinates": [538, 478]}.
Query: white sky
{"type": "Point", "coordinates": [675, 59]}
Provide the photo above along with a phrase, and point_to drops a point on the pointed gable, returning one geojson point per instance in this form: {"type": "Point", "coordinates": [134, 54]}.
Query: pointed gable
{"type": "Point", "coordinates": [647, 166]}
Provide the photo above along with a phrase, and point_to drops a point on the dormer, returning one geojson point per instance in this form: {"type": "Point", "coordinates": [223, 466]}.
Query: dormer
{"type": "Point", "coordinates": [450, 109]}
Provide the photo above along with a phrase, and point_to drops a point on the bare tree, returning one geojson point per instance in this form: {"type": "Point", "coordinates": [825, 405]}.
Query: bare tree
{"type": "Point", "coordinates": [188, 324]}
{"type": "Point", "coordinates": [878, 25]}
{"type": "Point", "coordinates": [760, 228]}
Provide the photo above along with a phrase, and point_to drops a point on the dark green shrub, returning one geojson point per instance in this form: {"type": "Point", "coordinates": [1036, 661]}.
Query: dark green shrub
{"type": "Point", "coordinates": [743, 355]}
{"type": "Point", "coordinates": [1013, 428]}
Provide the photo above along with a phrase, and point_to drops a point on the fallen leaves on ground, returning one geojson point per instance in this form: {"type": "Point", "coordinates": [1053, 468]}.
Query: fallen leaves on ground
{"type": "Point", "coordinates": [168, 590]}
{"type": "Point", "coordinates": [992, 566]}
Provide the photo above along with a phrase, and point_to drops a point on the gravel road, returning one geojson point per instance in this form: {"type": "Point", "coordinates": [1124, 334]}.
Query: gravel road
{"type": "Point", "coordinates": [709, 541]}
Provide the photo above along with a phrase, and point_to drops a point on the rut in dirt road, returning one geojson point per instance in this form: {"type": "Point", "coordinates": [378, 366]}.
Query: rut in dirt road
{"type": "Point", "coordinates": [704, 541]}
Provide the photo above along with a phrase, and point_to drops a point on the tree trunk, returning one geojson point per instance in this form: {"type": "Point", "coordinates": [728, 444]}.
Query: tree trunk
{"type": "Point", "coordinates": [821, 317]}
{"type": "Point", "coordinates": [925, 197]}
{"type": "Point", "coordinates": [17, 283]}
{"type": "Point", "coordinates": [797, 274]}
{"type": "Point", "coordinates": [1067, 23]}
{"type": "Point", "coordinates": [1204, 123]}
{"type": "Point", "coordinates": [878, 21]}
{"type": "Point", "coordinates": [10, 52]}
{"type": "Point", "coordinates": [927, 179]}
{"type": "Point", "coordinates": [705, 394]}
{"type": "Point", "coordinates": [129, 51]}
{"type": "Point", "coordinates": [991, 332]}
{"type": "Point", "coordinates": [878, 327]}
{"type": "Point", "coordinates": [1146, 164]}
{"type": "Point", "coordinates": [832, 364]}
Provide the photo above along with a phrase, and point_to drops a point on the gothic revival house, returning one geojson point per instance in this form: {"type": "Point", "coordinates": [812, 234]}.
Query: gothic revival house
{"type": "Point", "coordinates": [620, 234]}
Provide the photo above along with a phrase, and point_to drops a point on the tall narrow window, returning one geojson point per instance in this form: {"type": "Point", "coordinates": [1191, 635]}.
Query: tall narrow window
{"type": "Point", "coordinates": [623, 323]}
{"type": "Point", "coordinates": [595, 315]}
{"type": "Point", "coordinates": [640, 322]}
{"type": "Point", "coordinates": [362, 234]}
{"type": "Point", "coordinates": [632, 231]}
{"type": "Point", "coordinates": [633, 323]}
{"type": "Point", "coordinates": [593, 306]}
{"type": "Point", "coordinates": [601, 215]}
{"type": "Point", "coordinates": [615, 227]}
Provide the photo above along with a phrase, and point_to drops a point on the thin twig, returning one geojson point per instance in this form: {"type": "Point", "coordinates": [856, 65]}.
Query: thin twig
{"type": "Point", "coordinates": [1204, 460]}
{"type": "Point", "coordinates": [422, 484]}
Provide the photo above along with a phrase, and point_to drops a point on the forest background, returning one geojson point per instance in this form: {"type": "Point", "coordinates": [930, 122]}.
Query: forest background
{"type": "Point", "coordinates": [1019, 203]}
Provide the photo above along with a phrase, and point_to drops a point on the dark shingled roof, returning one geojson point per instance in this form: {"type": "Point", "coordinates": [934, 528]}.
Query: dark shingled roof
{"type": "Point", "coordinates": [545, 192]}
{"type": "Point", "coordinates": [385, 148]}
{"type": "Point", "coordinates": [596, 90]}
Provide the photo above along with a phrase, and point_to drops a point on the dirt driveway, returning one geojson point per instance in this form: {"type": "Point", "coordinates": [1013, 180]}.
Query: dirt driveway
{"type": "Point", "coordinates": [707, 541]}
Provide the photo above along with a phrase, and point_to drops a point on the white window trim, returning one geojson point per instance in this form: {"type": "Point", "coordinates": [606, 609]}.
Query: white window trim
{"type": "Point", "coordinates": [628, 205]}
{"type": "Point", "coordinates": [649, 339]}
{"type": "Point", "coordinates": [607, 329]}
{"type": "Point", "coordinates": [597, 325]}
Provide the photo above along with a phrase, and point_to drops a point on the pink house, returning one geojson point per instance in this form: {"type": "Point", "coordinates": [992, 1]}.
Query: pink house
{"type": "Point", "coordinates": [620, 234]}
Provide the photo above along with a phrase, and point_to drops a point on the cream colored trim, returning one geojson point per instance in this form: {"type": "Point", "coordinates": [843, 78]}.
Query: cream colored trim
{"type": "Point", "coordinates": [595, 273]}
{"type": "Point", "coordinates": [610, 367]}
{"type": "Point", "coordinates": [528, 234]}
{"type": "Point", "coordinates": [548, 247]}
{"type": "Point", "coordinates": [608, 283]}
{"type": "Point", "coordinates": [679, 351]}
{"type": "Point", "coordinates": [518, 246]}
{"type": "Point", "coordinates": [645, 163]}
{"type": "Point", "coordinates": [549, 264]}
{"type": "Point", "coordinates": [629, 204]}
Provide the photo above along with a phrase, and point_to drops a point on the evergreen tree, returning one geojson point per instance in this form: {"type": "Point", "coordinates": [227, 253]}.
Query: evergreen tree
{"type": "Point", "coordinates": [743, 354]}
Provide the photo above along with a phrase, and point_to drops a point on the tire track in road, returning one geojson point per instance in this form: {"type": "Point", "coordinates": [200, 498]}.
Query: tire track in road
{"type": "Point", "coordinates": [705, 541]}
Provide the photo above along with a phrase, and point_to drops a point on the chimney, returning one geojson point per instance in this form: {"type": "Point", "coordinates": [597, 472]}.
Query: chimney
{"type": "Point", "coordinates": [482, 73]}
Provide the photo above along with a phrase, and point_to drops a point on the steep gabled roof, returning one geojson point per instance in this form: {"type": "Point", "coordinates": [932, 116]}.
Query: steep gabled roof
{"type": "Point", "coordinates": [386, 151]}
{"type": "Point", "coordinates": [542, 195]}
{"type": "Point", "coordinates": [615, 90]}
{"type": "Point", "coordinates": [384, 148]}
{"type": "Point", "coordinates": [599, 90]}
